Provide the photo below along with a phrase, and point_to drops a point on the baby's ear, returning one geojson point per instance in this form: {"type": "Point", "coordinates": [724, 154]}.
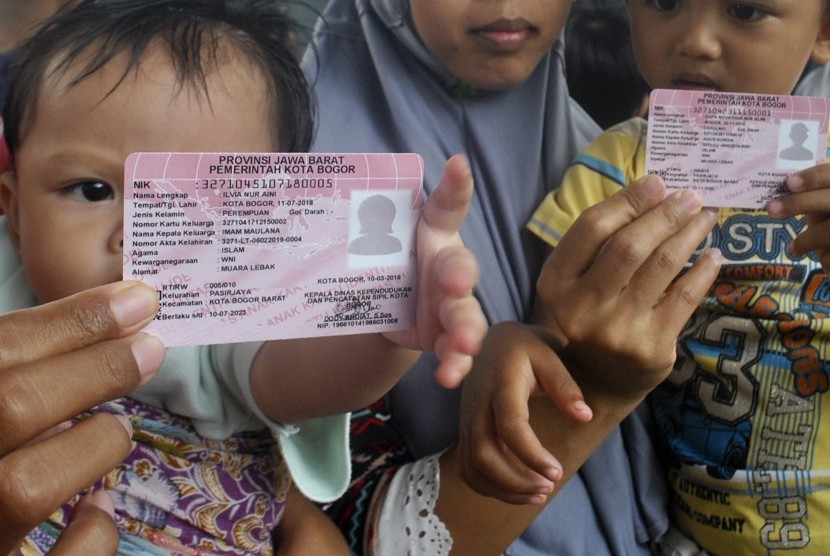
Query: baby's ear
{"type": "Point", "coordinates": [8, 202]}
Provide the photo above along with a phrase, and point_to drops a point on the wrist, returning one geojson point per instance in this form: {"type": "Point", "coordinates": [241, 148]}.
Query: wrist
{"type": "Point", "coordinates": [614, 390]}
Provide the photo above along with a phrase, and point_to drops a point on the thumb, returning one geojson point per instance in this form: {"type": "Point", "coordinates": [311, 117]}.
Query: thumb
{"type": "Point", "coordinates": [447, 206]}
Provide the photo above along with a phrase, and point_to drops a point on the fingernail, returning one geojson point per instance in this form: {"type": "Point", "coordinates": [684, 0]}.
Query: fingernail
{"type": "Point", "coordinates": [795, 183]}
{"type": "Point", "coordinates": [148, 352]}
{"type": "Point", "coordinates": [792, 252]}
{"type": "Point", "coordinates": [774, 208]}
{"type": "Point", "coordinates": [133, 305]}
{"type": "Point", "coordinates": [452, 379]}
{"type": "Point", "coordinates": [59, 428]}
{"type": "Point", "coordinates": [582, 408]}
{"type": "Point", "coordinates": [712, 212]}
{"type": "Point", "coordinates": [689, 201]}
{"type": "Point", "coordinates": [653, 186]}
{"type": "Point", "coordinates": [553, 474]}
{"type": "Point", "coordinates": [538, 499]}
{"type": "Point", "coordinates": [104, 501]}
{"type": "Point", "coordinates": [125, 422]}
{"type": "Point", "coordinates": [49, 433]}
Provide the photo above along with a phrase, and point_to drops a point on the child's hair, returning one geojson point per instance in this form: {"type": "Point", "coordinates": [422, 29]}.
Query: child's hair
{"type": "Point", "coordinates": [195, 32]}
{"type": "Point", "coordinates": [602, 73]}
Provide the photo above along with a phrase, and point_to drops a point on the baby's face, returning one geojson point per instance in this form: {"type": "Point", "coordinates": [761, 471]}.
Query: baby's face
{"type": "Point", "coordinates": [66, 201]}
{"type": "Point", "coordinates": [492, 44]}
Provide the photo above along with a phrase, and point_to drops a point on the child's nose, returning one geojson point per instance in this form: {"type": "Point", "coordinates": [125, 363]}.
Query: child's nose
{"type": "Point", "coordinates": [700, 40]}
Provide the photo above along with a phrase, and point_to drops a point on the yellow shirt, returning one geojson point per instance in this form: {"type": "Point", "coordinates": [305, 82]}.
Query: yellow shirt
{"type": "Point", "coordinates": [740, 416]}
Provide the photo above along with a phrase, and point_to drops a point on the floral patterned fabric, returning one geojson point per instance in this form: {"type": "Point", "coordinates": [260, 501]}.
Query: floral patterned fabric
{"type": "Point", "coordinates": [179, 493]}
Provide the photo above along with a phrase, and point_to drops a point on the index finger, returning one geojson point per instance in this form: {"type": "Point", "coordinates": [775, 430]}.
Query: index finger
{"type": "Point", "coordinates": [600, 222]}
{"type": "Point", "coordinates": [86, 318]}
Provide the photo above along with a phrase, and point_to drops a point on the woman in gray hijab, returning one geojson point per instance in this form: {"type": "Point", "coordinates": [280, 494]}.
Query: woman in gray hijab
{"type": "Point", "coordinates": [483, 78]}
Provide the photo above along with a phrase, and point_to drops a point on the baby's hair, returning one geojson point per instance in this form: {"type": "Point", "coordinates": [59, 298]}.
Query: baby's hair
{"type": "Point", "coordinates": [93, 32]}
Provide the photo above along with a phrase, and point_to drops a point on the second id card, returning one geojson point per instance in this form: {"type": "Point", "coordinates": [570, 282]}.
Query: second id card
{"type": "Point", "coordinates": [263, 246]}
{"type": "Point", "coordinates": [734, 149]}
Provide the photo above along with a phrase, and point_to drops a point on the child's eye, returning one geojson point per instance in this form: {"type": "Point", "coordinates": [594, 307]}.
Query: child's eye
{"type": "Point", "coordinates": [745, 12]}
{"type": "Point", "coordinates": [91, 191]}
{"type": "Point", "coordinates": [665, 5]}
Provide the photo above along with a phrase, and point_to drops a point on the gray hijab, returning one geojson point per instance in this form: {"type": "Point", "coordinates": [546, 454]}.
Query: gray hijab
{"type": "Point", "coordinates": [379, 89]}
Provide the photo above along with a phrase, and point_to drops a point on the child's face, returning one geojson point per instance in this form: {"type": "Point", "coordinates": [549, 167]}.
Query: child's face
{"type": "Point", "coordinates": [492, 44]}
{"type": "Point", "coordinates": [727, 45]}
{"type": "Point", "coordinates": [65, 200]}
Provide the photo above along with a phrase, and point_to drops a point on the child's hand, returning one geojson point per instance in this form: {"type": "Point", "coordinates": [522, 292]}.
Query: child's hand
{"type": "Point", "coordinates": [499, 453]}
{"type": "Point", "coordinates": [810, 196]}
{"type": "Point", "coordinates": [448, 319]}
{"type": "Point", "coordinates": [611, 294]}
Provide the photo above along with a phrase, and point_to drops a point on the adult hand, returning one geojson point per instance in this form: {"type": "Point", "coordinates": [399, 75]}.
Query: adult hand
{"type": "Point", "coordinates": [56, 361]}
{"type": "Point", "coordinates": [614, 292]}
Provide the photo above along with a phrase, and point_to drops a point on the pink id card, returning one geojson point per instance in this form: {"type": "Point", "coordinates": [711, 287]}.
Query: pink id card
{"type": "Point", "coordinates": [734, 149]}
{"type": "Point", "coordinates": [263, 246]}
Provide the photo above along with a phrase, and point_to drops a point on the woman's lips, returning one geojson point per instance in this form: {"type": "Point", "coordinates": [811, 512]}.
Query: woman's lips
{"type": "Point", "coordinates": [506, 35]}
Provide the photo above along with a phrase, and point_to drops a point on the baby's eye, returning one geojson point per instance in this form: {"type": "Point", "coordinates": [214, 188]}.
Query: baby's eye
{"type": "Point", "coordinates": [91, 191]}
{"type": "Point", "coordinates": [745, 12]}
{"type": "Point", "coordinates": [665, 5]}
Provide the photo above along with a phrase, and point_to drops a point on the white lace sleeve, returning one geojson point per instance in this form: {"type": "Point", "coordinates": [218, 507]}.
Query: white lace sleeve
{"type": "Point", "coordinates": [406, 522]}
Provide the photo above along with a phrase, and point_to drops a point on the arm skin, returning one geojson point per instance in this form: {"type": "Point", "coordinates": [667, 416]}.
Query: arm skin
{"type": "Point", "coordinates": [56, 361]}
{"type": "Point", "coordinates": [297, 380]}
{"type": "Point", "coordinates": [304, 529]}
{"type": "Point", "coordinates": [611, 282]}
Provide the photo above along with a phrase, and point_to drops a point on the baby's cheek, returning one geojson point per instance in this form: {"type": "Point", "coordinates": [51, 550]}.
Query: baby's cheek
{"type": "Point", "coordinates": [56, 276]}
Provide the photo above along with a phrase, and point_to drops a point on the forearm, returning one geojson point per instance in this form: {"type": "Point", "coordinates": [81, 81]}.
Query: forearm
{"type": "Point", "coordinates": [297, 380]}
{"type": "Point", "coordinates": [494, 525]}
